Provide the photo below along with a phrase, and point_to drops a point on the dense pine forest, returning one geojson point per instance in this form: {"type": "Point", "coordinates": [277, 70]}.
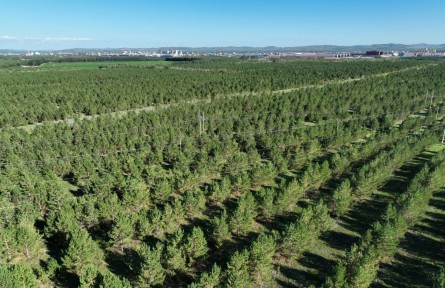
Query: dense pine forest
{"type": "Point", "coordinates": [223, 172]}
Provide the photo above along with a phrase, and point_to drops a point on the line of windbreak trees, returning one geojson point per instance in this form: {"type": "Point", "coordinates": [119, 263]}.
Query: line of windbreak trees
{"type": "Point", "coordinates": [35, 97]}
{"type": "Point", "coordinates": [38, 60]}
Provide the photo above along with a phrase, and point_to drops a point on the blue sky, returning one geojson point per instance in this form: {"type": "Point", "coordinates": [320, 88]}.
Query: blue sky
{"type": "Point", "coordinates": [46, 24]}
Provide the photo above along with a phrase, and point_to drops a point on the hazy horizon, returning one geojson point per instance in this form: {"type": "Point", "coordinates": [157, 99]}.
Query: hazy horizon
{"type": "Point", "coordinates": [421, 45]}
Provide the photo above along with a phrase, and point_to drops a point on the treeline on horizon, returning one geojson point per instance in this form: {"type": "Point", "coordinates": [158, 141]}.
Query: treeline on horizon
{"type": "Point", "coordinates": [37, 61]}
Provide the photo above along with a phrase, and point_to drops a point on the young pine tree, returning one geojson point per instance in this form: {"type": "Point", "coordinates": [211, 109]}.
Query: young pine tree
{"type": "Point", "coordinates": [220, 229]}
{"type": "Point", "coordinates": [342, 198]}
{"type": "Point", "coordinates": [121, 232]}
{"type": "Point", "coordinates": [174, 255]}
{"type": "Point", "coordinates": [151, 271]}
{"type": "Point", "coordinates": [238, 271]}
{"type": "Point", "coordinates": [261, 261]}
{"type": "Point", "coordinates": [82, 251]}
{"type": "Point", "coordinates": [209, 280]}
{"type": "Point", "coordinates": [244, 214]}
{"type": "Point", "coordinates": [195, 245]}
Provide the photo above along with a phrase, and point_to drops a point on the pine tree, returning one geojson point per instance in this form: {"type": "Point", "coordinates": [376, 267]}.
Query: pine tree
{"type": "Point", "coordinates": [88, 278]}
{"type": "Point", "coordinates": [136, 196]}
{"type": "Point", "coordinates": [82, 251]}
{"type": "Point", "coordinates": [175, 258]}
{"type": "Point", "coordinates": [151, 270]}
{"type": "Point", "coordinates": [194, 203]}
{"type": "Point", "coordinates": [439, 279]}
{"type": "Point", "coordinates": [238, 271]}
{"type": "Point", "coordinates": [261, 261]}
{"type": "Point", "coordinates": [342, 198]}
{"type": "Point", "coordinates": [244, 215]}
{"type": "Point", "coordinates": [18, 276]}
{"type": "Point", "coordinates": [339, 280]}
{"type": "Point", "coordinates": [195, 245]}
{"type": "Point", "coordinates": [220, 229]}
{"type": "Point", "coordinates": [209, 280]}
{"type": "Point", "coordinates": [121, 232]}
{"type": "Point", "coordinates": [109, 280]}
{"type": "Point", "coordinates": [266, 202]}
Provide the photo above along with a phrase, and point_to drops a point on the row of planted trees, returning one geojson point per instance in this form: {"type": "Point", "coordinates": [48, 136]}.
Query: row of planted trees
{"type": "Point", "coordinates": [380, 243]}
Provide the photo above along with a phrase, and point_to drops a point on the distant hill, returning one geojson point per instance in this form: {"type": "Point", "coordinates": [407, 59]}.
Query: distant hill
{"type": "Point", "coordinates": [314, 48]}
{"type": "Point", "coordinates": [269, 49]}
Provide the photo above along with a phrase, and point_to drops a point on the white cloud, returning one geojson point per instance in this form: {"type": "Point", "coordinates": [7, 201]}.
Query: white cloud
{"type": "Point", "coordinates": [45, 39]}
{"type": "Point", "coordinates": [52, 39]}
{"type": "Point", "coordinates": [7, 37]}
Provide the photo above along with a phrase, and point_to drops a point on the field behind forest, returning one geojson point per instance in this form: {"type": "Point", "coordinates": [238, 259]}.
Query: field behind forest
{"type": "Point", "coordinates": [222, 173]}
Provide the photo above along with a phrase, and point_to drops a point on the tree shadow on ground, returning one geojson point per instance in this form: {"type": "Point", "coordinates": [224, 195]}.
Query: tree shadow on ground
{"type": "Point", "coordinates": [338, 240]}
{"type": "Point", "coordinates": [301, 277]}
{"type": "Point", "coordinates": [405, 271]}
{"type": "Point", "coordinates": [362, 215]}
{"type": "Point", "coordinates": [319, 265]}
{"type": "Point", "coordinates": [123, 265]}
{"type": "Point", "coordinates": [56, 245]}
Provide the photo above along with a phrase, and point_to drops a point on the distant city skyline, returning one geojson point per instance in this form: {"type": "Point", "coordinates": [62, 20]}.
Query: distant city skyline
{"type": "Point", "coordinates": [46, 24]}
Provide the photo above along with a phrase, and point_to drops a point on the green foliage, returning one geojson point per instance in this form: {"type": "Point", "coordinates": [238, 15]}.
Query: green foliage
{"type": "Point", "coordinates": [339, 279]}
{"type": "Point", "coordinates": [262, 261]}
{"type": "Point", "coordinates": [220, 191]}
{"type": "Point", "coordinates": [263, 175]}
{"type": "Point", "coordinates": [151, 270]}
{"type": "Point", "coordinates": [21, 243]}
{"type": "Point", "coordinates": [300, 236]}
{"type": "Point", "coordinates": [266, 202]}
{"type": "Point", "coordinates": [238, 270]}
{"type": "Point", "coordinates": [243, 216]}
{"type": "Point", "coordinates": [121, 232]}
{"type": "Point", "coordinates": [17, 276]}
{"type": "Point", "coordinates": [439, 279]}
{"type": "Point", "coordinates": [381, 242]}
{"type": "Point", "coordinates": [195, 245]}
{"type": "Point", "coordinates": [342, 198]}
{"type": "Point", "coordinates": [288, 196]}
{"type": "Point", "coordinates": [88, 277]}
{"type": "Point", "coordinates": [208, 280]}
{"type": "Point", "coordinates": [82, 252]}
{"type": "Point", "coordinates": [109, 280]}
{"type": "Point", "coordinates": [104, 164]}
{"type": "Point", "coordinates": [194, 203]}
{"type": "Point", "coordinates": [221, 229]}
{"type": "Point", "coordinates": [136, 196]}
{"type": "Point", "coordinates": [175, 257]}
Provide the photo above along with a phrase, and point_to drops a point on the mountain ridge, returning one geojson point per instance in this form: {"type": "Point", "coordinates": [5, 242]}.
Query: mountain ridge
{"type": "Point", "coordinates": [266, 49]}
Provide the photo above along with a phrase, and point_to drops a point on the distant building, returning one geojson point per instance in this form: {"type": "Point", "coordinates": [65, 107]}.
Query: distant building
{"type": "Point", "coordinates": [374, 53]}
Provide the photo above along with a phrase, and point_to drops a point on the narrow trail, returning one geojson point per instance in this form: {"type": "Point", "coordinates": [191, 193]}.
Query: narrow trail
{"type": "Point", "coordinates": [153, 108]}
